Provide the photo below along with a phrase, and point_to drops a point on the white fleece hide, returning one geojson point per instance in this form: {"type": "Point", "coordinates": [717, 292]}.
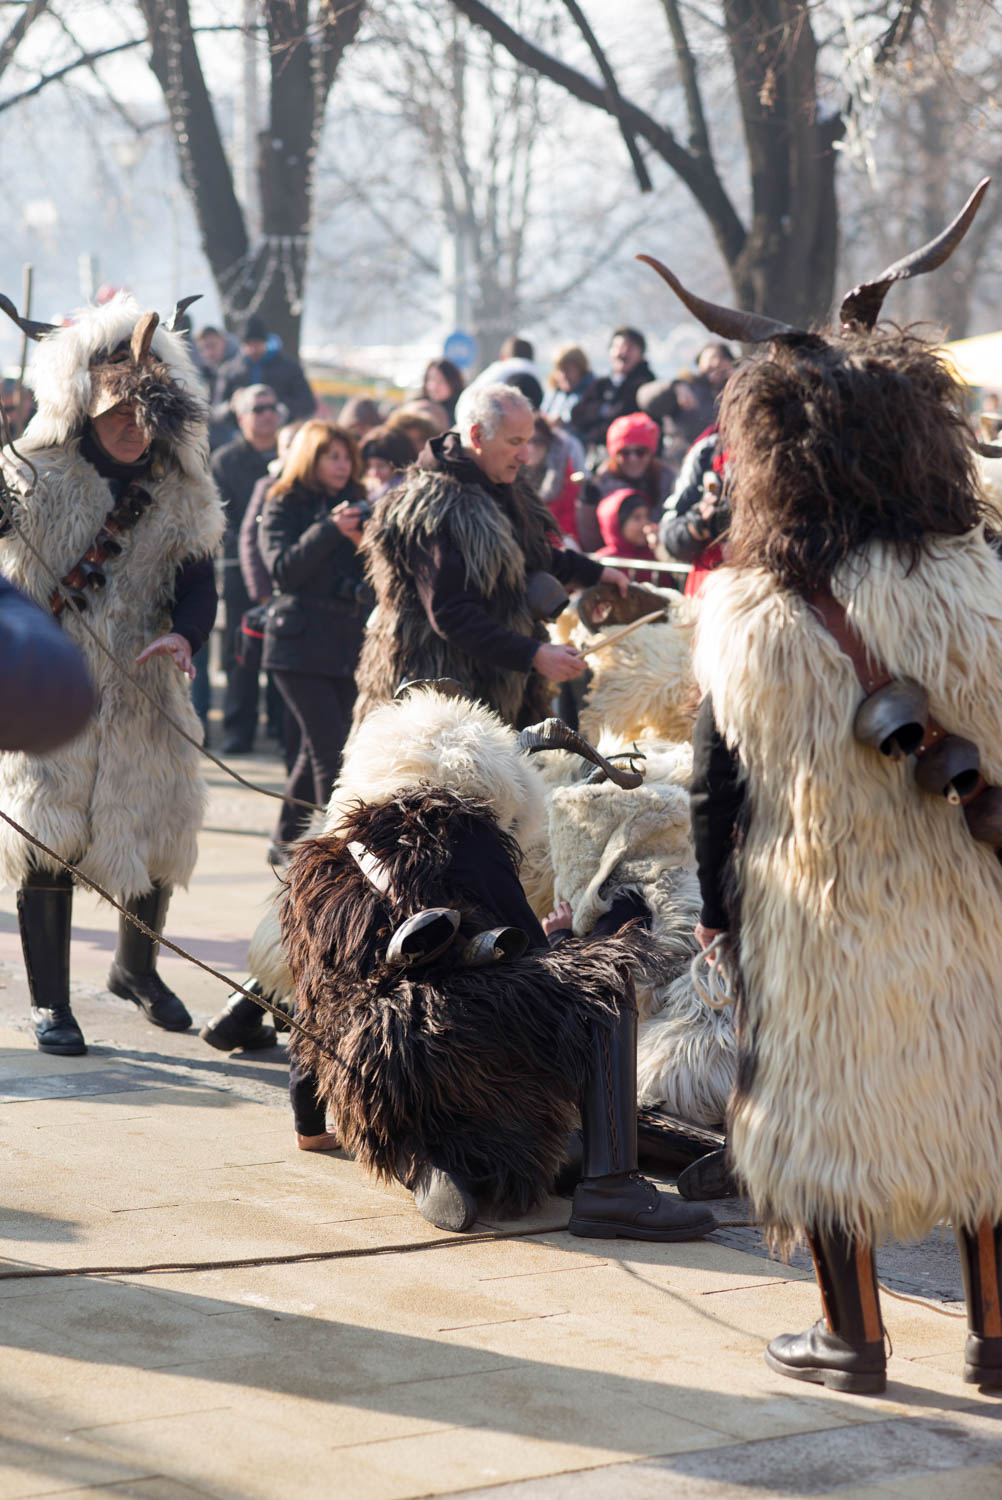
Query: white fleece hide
{"type": "Point", "coordinates": [125, 799]}
{"type": "Point", "coordinates": [266, 959]}
{"type": "Point", "coordinates": [603, 840]}
{"type": "Point", "coordinates": [642, 687]}
{"type": "Point", "coordinates": [871, 939]}
{"type": "Point", "coordinates": [990, 475]}
{"type": "Point", "coordinates": [424, 739]}
{"type": "Point", "coordinates": [427, 739]}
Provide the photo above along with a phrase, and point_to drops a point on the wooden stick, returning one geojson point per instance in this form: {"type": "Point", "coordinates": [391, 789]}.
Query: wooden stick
{"type": "Point", "coordinates": [658, 614]}
{"type": "Point", "coordinates": [26, 305]}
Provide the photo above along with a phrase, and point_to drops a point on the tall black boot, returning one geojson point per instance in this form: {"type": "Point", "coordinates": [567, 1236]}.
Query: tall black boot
{"type": "Point", "coordinates": [44, 906]}
{"type": "Point", "coordinates": [133, 974]}
{"type": "Point", "coordinates": [981, 1267]}
{"type": "Point", "coordinates": [240, 1024]}
{"type": "Point", "coordinates": [612, 1199]}
{"type": "Point", "coordinates": [845, 1348]}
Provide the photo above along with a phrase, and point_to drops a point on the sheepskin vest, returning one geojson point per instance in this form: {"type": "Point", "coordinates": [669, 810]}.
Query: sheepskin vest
{"type": "Point", "coordinates": [869, 1088]}
{"type": "Point", "coordinates": [400, 642]}
{"type": "Point", "coordinates": [125, 799]}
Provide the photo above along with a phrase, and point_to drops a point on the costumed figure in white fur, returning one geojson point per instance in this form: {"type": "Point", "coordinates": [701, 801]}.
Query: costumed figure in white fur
{"type": "Point", "coordinates": [846, 838]}
{"type": "Point", "coordinates": [110, 487]}
{"type": "Point", "coordinates": [451, 1044]}
{"type": "Point", "coordinates": [602, 840]}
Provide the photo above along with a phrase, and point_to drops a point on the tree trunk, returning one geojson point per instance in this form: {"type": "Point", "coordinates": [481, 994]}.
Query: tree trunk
{"type": "Point", "coordinates": [786, 268]}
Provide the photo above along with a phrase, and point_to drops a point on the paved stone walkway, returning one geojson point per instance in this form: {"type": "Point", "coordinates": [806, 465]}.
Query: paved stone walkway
{"type": "Point", "coordinates": [519, 1362]}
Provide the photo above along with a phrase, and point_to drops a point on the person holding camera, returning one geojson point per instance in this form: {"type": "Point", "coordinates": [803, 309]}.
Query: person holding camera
{"type": "Point", "coordinates": [698, 511]}
{"type": "Point", "coordinates": [309, 531]}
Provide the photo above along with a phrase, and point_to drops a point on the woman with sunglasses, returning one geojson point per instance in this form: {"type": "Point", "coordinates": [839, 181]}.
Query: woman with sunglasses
{"type": "Point", "coordinates": [631, 443]}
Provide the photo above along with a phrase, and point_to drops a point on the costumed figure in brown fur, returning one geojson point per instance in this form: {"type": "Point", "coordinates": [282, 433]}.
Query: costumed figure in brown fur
{"type": "Point", "coordinates": [110, 522]}
{"type": "Point", "coordinates": [453, 1047]}
{"type": "Point", "coordinates": [847, 815]}
{"type": "Point", "coordinates": [464, 561]}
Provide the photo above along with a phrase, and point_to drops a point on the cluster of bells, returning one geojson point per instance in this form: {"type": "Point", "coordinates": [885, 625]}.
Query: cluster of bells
{"type": "Point", "coordinates": [89, 574]}
{"type": "Point", "coordinates": [896, 721]}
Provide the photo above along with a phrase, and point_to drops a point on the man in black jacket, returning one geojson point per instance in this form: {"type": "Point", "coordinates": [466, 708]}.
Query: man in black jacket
{"type": "Point", "coordinates": [614, 395]}
{"type": "Point", "coordinates": [262, 361]}
{"type": "Point", "coordinates": [451, 553]}
{"type": "Point", "coordinates": [236, 468]}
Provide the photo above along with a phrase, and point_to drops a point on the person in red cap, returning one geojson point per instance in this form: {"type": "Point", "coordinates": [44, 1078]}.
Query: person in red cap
{"type": "Point", "coordinates": [632, 443]}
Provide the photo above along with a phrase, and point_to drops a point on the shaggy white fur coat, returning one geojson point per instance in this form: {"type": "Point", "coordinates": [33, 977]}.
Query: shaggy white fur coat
{"type": "Point", "coordinates": [124, 799]}
{"type": "Point", "coordinates": [605, 839]}
{"type": "Point", "coordinates": [869, 1086]}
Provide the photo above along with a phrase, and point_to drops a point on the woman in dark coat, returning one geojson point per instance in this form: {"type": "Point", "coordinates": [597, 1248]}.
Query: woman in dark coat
{"type": "Point", "coordinates": [309, 531]}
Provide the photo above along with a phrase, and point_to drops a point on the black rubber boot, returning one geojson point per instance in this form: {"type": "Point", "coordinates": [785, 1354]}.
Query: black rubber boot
{"type": "Point", "coordinates": [981, 1267]}
{"type": "Point", "coordinates": [240, 1024]}
{"type": "Point", "coordinates": [612, 1199]}
{"type": "Point", "coordinates": [44, 906]}
{"type": "Point", "coordinates": [845, 1349]}
{"type": "Point", "coordinates": [133, 975]}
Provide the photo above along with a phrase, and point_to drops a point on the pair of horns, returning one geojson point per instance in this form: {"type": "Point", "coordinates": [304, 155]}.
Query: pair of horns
{"type": "Point", "coordinates": [554, 734]}
{"type": "Point", "coordinates": [860, 308]}
{"type": "Point", "coordinates": [37, 331]}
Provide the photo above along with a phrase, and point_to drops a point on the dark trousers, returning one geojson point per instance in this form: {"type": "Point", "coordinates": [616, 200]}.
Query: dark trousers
{"type": "Point", "coordinates": [200, 689]}
{"type": "Point", "coordinates": [322, 707]}
{"type": "Point", "coordinates": [242, 688]}
{"type": "Point", "coordinates": [308, 1112]}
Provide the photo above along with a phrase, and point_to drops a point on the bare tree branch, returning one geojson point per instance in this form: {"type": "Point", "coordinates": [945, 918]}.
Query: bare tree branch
{"type": "Point", "coordinates": [697, 172]}
{"type": "Point", "coordinates": [86, 60]}
{"type": "Point", "coordinates": [32, 10]}
{"type": "Point", "coordinates": [580, 20]}
{"type": "Point", "coordinates": [699, 135]}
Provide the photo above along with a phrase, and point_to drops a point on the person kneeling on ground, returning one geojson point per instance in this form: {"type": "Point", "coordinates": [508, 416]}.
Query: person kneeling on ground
{"type": "Point", "coordinates": [450, 1044]}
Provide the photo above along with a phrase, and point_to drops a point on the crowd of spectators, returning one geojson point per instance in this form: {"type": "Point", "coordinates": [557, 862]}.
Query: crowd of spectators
{"type": "Point", "coordinates": [621, 459]}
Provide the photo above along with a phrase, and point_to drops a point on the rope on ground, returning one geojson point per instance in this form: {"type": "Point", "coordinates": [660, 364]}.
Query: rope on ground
{"type": "Point", "coordinates": [944, 1312]}
{"type": "Point", "coordinates": [231, 984]}
{"type": "Point", "coordinates": [302, 1258]}
{"type": "Point", "coordinates": [6, 503]}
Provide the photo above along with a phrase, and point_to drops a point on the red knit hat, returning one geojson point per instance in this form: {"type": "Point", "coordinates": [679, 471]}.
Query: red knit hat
{"type": "Point", "coordinates": [636, 430]}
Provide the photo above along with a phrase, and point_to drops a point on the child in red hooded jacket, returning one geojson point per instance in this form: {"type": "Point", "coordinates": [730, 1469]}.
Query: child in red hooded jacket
{"type": "Point", "coordinates": [624, 519]}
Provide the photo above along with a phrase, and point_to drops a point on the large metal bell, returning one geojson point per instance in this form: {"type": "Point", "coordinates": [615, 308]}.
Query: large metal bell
{"type": "Point", "coordinates": [984, 816]}
{"type": "Point", "coordinates": [950, 768]}
{"type": "Point", "coordinates": [893, 718]}
{"type": "Point", "coordinates": [424, 936]}
{"type": "Point", "coordinates": [497, 945]}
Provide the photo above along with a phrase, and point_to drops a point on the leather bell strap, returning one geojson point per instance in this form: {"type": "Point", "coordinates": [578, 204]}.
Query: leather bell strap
{"type": "Point", "coordinates": [873, 674]}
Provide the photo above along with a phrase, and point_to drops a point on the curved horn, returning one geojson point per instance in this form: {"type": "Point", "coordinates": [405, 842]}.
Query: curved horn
{"type": "Point", "coordinates": [180, 308]}
{"type": "Point", "coordinates": [728, 322]}
{"type": "Point", "coordinates": [554, 734]}
{"type": "Point", "coordinates": [862, 305]}
{"type": "Point", "coordinates": [988, 450]}
{"type": "Point", "coordinates": [142, 336]}
{"type": "Point", "coordinates": [26, 325]}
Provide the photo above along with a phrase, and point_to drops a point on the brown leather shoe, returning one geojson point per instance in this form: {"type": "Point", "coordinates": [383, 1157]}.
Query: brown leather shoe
{"type": "Point", "coordinates": [823, 1357]}
{"type": "Point", "coordinates": [627, 1206]}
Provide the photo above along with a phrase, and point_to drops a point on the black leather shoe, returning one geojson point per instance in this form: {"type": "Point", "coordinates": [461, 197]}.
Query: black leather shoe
{"type": "Point", "coordinates": [443, 1199]}
{"type": "Point", "coordinates": [148, 991]}
{"type": "Point", "coordinates": [56, 1031]}
{"type": "Point", "coordinates": [983, 1362]}
{"type": "Point", "coordinates": [241, 1025]}
{"type": "Point", "coordinates": [826, 1359]}
{"type": "Point", "coordinates": [627, 1206]}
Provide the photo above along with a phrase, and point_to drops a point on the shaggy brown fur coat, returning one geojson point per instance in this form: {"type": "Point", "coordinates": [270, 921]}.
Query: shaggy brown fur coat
{"type": "Point", "coordinates": [480, 1068]}
{"type": "Point", "coordinates": [499, 550]}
